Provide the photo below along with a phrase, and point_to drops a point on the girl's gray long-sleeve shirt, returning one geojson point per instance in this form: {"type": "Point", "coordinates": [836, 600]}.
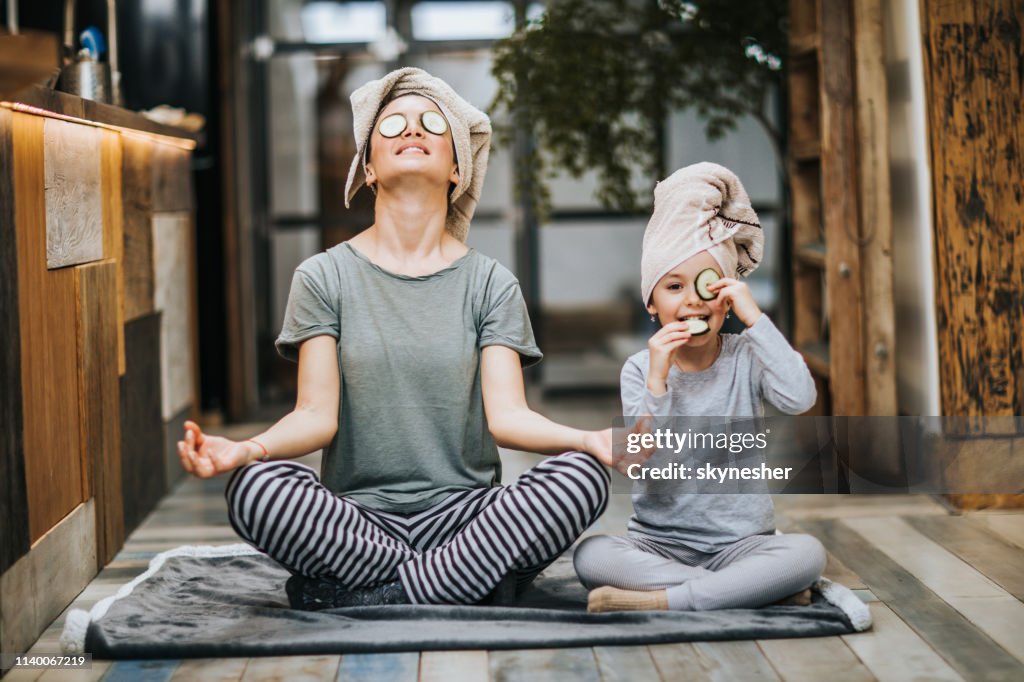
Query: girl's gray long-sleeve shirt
{"type": "Point", "coordinates": [757, 365]}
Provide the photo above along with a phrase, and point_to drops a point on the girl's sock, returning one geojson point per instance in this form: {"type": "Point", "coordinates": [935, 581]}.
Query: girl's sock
{"type": "Point", "coordinates": [605, 599]}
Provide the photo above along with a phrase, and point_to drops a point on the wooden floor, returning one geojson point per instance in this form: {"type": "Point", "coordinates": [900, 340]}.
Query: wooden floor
{"type": "Point", "coordinates": [945, 591]}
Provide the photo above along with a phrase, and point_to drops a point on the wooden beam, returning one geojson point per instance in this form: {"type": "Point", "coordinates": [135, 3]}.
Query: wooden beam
{"type": "Point", "coordinates": [972, 64]}
{"type": "Point", "coordinates": [841, 217]}
{"type": "Point", "coordinates": [241, 352]}
{"type": "Point", "coordinates": [875, 209]}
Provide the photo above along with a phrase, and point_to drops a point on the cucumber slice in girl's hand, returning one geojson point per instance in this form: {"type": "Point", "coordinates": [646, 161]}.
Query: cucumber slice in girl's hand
{"type": "Point", "coordinates": [697, 327]}
{"type": "Point", "coordinates": [704, 278]}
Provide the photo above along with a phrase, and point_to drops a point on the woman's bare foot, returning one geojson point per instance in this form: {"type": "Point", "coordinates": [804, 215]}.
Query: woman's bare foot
{"type": "Point", "coordinates": [605, 599]}
{"type": "Point", "coordinates": [798, 599]}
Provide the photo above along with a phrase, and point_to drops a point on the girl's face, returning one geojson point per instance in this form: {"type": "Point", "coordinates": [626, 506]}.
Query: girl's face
{"type": "Point", "coordinates": [675, 298]}
{"type": "Point", "coordinates": [415, 150]}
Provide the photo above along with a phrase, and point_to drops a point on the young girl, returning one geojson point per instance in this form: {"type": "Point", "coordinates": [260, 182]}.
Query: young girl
{"type": "Point", "coordinates": [691, 552]}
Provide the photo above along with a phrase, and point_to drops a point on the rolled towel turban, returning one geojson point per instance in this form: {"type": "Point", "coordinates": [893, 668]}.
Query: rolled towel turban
{"type": "Point", "coordinates": [471, 131]}
{"type": "Point", "coordinates": [702, 207]}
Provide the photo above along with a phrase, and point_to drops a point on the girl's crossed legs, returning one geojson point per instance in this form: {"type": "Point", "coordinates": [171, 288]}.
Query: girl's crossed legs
{"type": "Point", "coordinates": [753, 572]}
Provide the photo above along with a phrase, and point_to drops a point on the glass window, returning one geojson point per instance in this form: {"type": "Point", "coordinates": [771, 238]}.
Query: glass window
{"type": "Point", "coordinates": [462, 20]}
{"type": "Point", "coordinates": [343, 22]}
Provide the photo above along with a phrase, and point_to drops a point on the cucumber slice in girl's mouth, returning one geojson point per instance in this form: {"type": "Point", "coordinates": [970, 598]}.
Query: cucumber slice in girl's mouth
{"type": "Point", "coordinates": [697, 327]}
{"type": "Point", "coordinates": [704, 278]}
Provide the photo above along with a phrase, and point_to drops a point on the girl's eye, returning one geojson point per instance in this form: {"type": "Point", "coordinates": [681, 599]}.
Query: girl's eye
{"type": "Point", "coordinates": [675, 287]}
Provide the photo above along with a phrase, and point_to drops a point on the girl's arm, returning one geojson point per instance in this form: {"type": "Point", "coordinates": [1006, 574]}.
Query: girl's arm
{"type": "Point", "coordinates": [514, 425]}
{"type": "Point", "coordinates": [785, 380]}
{"type": "Point", "coordinates": [307, 428]}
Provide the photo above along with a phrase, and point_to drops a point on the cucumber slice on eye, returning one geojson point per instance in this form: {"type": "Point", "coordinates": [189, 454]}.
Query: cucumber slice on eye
{"type": "Point", "coordinates": [697, 327]}
{"type": "Point", "coordinates": [393, 125]}
{"type": "Point", "coordinates": [434, 122]}
{"type": "Point", "coordinates": [704, 278]}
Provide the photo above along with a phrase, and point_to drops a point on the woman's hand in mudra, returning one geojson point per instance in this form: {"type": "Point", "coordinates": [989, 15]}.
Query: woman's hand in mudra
{"type": "Point", "coordinates": [615, 454]}
{"type": "Point", "coordinates": [206, 456]}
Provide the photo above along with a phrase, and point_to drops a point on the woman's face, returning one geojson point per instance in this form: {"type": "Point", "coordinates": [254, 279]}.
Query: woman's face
{"type": "Point", "coordinates": [675, 298]}
{"type": "Point", "coordinates": [414, 151]}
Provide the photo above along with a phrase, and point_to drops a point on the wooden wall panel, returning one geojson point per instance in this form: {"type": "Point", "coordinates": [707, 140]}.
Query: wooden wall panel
{"type": "Point", "coordinates": [43, 582]}
{"type": "Point", "coordinates": [113, 225]}
{"type": "Point", "coordinates": [74, 218]}
{"type": "Point", "coordinates": [137, 184]}
{"type": "Point", "coordinates": [49, 358]}
{"type": "Point", "coordinates": [143, 480]}
{"type": "Point", "coordinates": [13, 501]}
{"type": "Point", "coordinates": [172, 179]}
{"type": "Point", "coordinates": [173, 298]}
{"type": "Point", "coordinates": [99, 400]}
{"type": "Point", "coordinates": [973, 64]}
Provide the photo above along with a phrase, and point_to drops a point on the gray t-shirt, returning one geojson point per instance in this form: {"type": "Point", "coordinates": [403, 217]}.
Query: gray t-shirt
{"type": "Point", "coordinates": [757, 364]}
{"type": "Point", "coordinates": [411, 425]}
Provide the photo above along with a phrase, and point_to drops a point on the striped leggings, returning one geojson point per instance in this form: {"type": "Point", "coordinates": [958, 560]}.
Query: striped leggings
{"type": "Point", "coordinates": [456, 552]}
{"type": "Point", "coordinates": [752, 572]}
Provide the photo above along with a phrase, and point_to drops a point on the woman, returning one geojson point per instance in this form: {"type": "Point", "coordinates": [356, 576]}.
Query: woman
{"type": "Point", "coordinates": [410, 349]}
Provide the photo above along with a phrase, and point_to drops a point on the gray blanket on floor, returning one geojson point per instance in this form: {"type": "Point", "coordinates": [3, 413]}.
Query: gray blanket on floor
{"type": "Point", "coordinates": [205, 605]}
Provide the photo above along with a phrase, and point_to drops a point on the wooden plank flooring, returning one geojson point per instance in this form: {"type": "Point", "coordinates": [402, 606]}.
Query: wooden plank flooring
{"type": "Point", "coordinates": [888, 634]}
{"type": "Point", "coordinates": [712, 661]}
{"type": "Point", "coordinates": [944, 590]}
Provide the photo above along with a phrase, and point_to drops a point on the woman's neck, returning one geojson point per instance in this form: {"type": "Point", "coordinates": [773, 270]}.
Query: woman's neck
{"type": "Point", "coordinates": [408, 236]}
{"type": "Point", "coordinates": [688, 359]}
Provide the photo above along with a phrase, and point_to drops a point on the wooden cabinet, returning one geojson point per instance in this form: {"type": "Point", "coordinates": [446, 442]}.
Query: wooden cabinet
{"type": "Point", "coordinates": [96, 217]}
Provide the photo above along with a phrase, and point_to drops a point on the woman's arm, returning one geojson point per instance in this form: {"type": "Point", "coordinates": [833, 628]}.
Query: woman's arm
{"type": "Point", "coordinates": [308, 427]}
{"type": "Point", "coordinates": [514, 425]}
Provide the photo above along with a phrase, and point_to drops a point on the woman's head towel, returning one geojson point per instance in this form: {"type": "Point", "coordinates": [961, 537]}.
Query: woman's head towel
{"type": "Point", "coordinates": [702, 207]}
{"type": "Point", "coordinates": [471, 131]}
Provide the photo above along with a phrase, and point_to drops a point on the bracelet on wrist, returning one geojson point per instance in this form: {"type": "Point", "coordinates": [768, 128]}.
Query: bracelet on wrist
{"type": "Point", "coordinates": [266, 453]}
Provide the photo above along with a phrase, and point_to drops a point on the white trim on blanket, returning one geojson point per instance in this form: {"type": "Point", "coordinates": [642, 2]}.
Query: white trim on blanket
{"type": "Point", "coordinates": [72, 639]}
{"type": "Point", "coordinates": [844, 599]}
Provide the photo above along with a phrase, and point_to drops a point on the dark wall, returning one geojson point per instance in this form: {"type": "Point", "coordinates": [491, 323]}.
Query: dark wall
{"type": "Point", "coordinates": [165, 56]}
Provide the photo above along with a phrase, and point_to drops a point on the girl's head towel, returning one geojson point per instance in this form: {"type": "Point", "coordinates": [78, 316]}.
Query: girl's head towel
{"type": "Point", "coordinates": [702, 207]}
